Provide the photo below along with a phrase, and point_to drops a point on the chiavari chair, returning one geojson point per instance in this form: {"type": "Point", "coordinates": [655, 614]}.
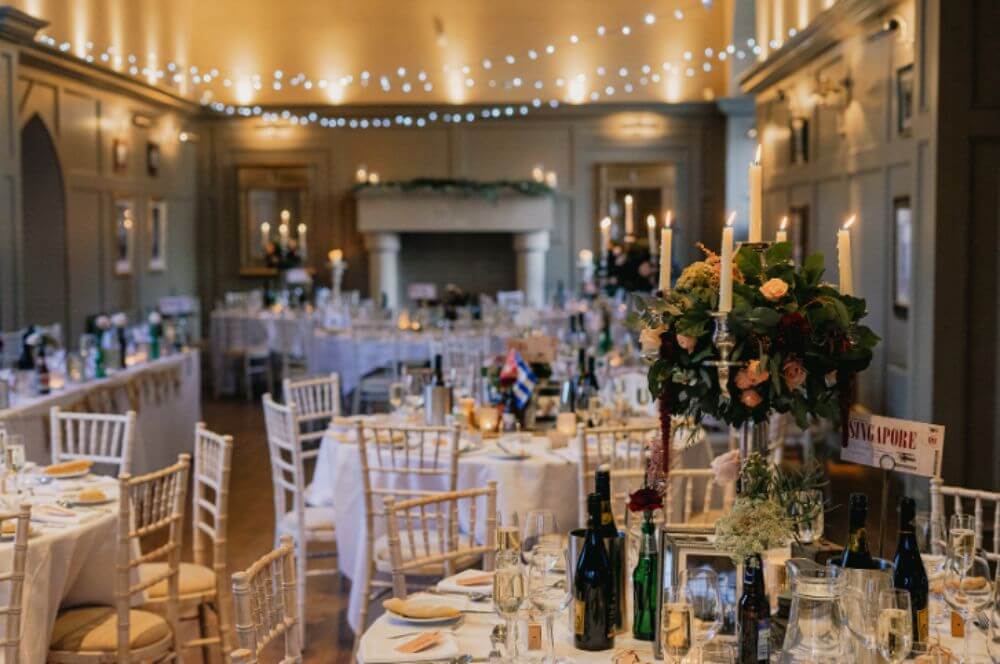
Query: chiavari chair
{"type": "Point", "coordinates": [13, 579]}
{"type": "Point", "coordinates": [99, 437]}
{"type": "Point", "coordinates": [960, 497]}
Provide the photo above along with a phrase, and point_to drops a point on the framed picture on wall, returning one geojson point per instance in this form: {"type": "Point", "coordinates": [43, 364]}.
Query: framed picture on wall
{"type": "Point", "coordinates": [119, 155]}
{"type": "Point", "coordinates": [152, 158]}
{"type": "Point", "coordinates": [124, 229]}
{"type": "Point", "coordinates": [798, 231]}
{"type": "Point", "coordinates": [157, 215]}
{"type": "Point", "coordinates": [902, 257]}
{"type": "Point", "coordinates": [799, 143]}
{"type": "Point", "coordinates": [904, 100]}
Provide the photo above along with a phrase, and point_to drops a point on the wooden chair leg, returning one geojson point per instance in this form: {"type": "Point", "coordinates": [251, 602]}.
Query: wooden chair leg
{"type": "Point", "coordinates": [206, 650]}
{"type": "Point", "coordinates": [365, 598]}
{"type": "Point", "coordinates": [300, 572]}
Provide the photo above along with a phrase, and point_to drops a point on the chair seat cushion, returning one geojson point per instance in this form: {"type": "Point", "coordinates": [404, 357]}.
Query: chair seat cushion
{"type": "Point", "coordinates": [319, 524]}
{"type": "Point", "coordinates": [192, 579]}
{"type": "Point", "coordinates": [95, 629]}
{"type": "Point", "coordinates": [383, 562]}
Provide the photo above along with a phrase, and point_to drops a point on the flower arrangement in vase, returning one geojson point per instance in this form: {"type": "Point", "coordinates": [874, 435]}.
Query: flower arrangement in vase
{"type": "Point", "coordinates": [797, 342]}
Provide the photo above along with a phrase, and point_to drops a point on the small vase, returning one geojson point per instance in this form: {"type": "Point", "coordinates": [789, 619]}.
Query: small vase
{"type": "Point", "coordinates": [754, 437]}
{"type": "Point", "coordinates": [645, 585]}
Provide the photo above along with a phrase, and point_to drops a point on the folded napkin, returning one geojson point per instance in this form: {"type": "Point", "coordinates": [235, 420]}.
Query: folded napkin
{"type": "Point", "coordinates": [420, 609]}
{"type": "Point", "coordinates": [376, 648]}
{"type": "Point", "coordinates": [460, 583]}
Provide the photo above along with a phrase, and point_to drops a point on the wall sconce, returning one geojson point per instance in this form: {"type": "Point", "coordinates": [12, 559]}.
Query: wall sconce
{"type": "Point", "coordinates": [187, 136]}
{"type": "Point", "coordinates": [140, 120]}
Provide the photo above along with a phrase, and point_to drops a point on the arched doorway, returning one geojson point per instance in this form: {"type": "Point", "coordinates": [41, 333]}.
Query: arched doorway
{"type": "Point", "coordinates": [43, 206]}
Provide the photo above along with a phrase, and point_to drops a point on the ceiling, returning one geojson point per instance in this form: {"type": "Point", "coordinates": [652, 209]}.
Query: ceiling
{"type": "Point", "coordinates": [428, 51]}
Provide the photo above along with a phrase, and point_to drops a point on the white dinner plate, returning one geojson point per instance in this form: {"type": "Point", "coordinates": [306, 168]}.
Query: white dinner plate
{"type": "Point", "coordinates": [68, 476]}
{"type": "Point", "coordinates": [422, 621]}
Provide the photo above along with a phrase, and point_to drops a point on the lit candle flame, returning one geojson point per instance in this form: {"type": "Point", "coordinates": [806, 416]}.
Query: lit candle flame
{"type": "Point", "coordinates": [731, 218]}
{"type": "Point", "coordinates": [668, 219]}
{"type": "Point", "coordinates": [651, 221]}
{"type": "Point", "coordinates": [265, 227]}
{"type": "Point", "coordinates": [285, 215]}
{"type": "Point", "coordinates": [302, 228]}
{"type": "Point", "coordinates": [784, 223]}
{"type": "Point", "coordinates": [756, 159]}
{"type": "Point", "coordinates": [847, 224]}
{"type": "Point", "coordinates": [628, 199]}
{"type": "Point", "coordinates": [606, 222]}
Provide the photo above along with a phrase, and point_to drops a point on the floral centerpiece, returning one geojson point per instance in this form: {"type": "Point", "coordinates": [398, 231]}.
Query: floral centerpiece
{"type": "Point", "coordinates": [798, 342]}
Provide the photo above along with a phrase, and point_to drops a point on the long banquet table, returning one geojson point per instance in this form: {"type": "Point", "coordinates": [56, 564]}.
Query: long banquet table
{"type": "Point", "coordinates": [165, 393]}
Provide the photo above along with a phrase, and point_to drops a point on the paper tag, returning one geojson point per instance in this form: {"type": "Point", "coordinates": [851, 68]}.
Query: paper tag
{"type": "Point", "coordinates": [422, 642]}
{"type": "Point", "coordinates": [475, 580]}
{"type": "Point", "coordinates": [957, 625]}
{"type": "Point", "coordinates": [914, 448]}
{"type": "Point", "coordinates": [534, 636]}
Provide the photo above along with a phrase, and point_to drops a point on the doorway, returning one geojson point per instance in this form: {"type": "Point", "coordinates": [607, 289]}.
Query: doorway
{"type": "Point", "coordinates": [43, 205]}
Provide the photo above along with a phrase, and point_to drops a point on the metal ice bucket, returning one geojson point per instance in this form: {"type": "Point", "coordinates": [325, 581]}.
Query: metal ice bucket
{"type": "Point", "coordinates": [617, 550]}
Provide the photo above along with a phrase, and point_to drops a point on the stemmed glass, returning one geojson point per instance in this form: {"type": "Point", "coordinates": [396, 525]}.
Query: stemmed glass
{"type": "Point", "coordinates": [932, 540]}
{"type": "Point", "coordinates": [397, 393]}
{"type": "Point", "coordinates": [700, 590]}
{"type": "Point", "coordinates": [548, 588]}
{"type": "Point", "coordinates": [414, 390]}
{"type": "Point", "coordinates": [508, 595]}
{"type": "Point", "coordinates": [675, 626]}
{"type": "Point", "coordinates": [14, 458]}
{"type": "Point", "coordinates": [967, 586]}
{"type": "Point", "coordinates": [540, 529]}
{"type": "Point", "coordinates": [895, 625]}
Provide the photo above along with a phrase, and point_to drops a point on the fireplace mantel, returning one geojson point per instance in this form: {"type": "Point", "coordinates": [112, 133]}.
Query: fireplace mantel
{"type": "Point", "coordinates": [384, 215]}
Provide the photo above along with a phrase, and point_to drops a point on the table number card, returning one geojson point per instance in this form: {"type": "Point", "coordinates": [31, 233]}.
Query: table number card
{"type": "Point", "coordinates": [913, 448]}
{"type": "Point", "coordinates": [535, 348]}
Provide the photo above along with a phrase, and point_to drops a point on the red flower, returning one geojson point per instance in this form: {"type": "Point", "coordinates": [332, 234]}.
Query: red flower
{"type": "Point", "coordinates": [793, 332]}
{"type": "Point", "coordinates": [645, 500]}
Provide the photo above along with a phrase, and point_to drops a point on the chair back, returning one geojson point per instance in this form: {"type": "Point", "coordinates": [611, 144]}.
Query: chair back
{"type": "Point", "coordinates": [317, 402]}
{"type": "Point", "coordinates": [99, 437]}
{"type": "Point", "coordinates": [428, 528]}
{"type": "Point", "coordinates": [13, 577]}
{"type": "Point", "coordinates": [213, 455]}
{"type": "Point", "coordinates": [265, 601]}
{"type": "Point", "coordinates": [618, 447]}
{"type": "Point", "coordinates": [150, 505]}
{"type": "Point", "coordinates": [691, 492]}
{"type": "Point", "coordinates": [981, 501]}
{"type": "Point", "coordinates": [287, 468]}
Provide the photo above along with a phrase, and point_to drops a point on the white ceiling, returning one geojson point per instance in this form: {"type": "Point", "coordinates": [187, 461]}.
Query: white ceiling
{"type": "Point", "coordinates": [328, 40]}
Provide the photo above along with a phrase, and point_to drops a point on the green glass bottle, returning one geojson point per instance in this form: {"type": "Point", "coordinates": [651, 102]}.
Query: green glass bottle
{"type": "Point", "coordinates": [645, 577]}
{"type": "Point", "coordinates": [154, 341]}
{"type": "Point", "coordinates": [605, 342]}
{"type": "Point", "coordinates": [99, 369]}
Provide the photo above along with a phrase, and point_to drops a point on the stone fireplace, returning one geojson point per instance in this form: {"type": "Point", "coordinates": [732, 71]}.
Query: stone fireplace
{"type": "Point", "coordinates": [385, 218]}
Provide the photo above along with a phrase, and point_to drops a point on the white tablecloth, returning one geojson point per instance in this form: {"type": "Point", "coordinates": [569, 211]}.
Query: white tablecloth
{"type": "Point", "coordinates": [68, 565]}
{"type": "Point", "coordinates": [547, 479]}
{"type": "Point", "coordinates": [164, 429]}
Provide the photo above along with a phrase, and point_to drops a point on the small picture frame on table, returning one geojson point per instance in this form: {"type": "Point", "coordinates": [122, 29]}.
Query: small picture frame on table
{"type": "Point", "coordinates": [904, 100]}
{"type": "Point", "coordinates": [688, 548]}
{"type": "Point", "coordinates": [902, 256]}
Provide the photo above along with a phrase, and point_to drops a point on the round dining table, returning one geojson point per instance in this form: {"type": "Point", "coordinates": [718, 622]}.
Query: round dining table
{"type": "Point", "coordinates": [71, 553]}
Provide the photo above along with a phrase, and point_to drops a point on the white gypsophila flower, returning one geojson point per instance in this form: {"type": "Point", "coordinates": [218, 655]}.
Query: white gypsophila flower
{"type": "Point", "coordinates": [33, 339]}
{"type": "Point", "coordinates": [102, 322]}
{"type": "Point", "coordinates": [155, 318]}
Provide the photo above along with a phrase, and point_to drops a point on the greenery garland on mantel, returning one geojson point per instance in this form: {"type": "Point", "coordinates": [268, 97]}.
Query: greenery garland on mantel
{"type": "Point", "coordinates": [490, 190]}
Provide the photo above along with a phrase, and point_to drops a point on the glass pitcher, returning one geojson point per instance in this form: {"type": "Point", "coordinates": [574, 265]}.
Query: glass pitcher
{"type": "Point", "coordinates": [817, 624]}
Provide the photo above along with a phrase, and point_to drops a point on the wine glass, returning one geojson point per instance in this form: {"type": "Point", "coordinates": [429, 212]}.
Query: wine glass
{"type": "Point", "coordinates": [700, 589]}
{"type": "Point", "coordinates": [675, 626]}
{"type": "Point", "coordinates": [932, 533]}
{"type": "Point", "coordinates": [414, 390]}
{"type": "Point", "coordinates": [508, 535]}
{"type": "Point", "coordinates": [397, 393]}
{"type": "Point", "coordinates": [718, 652]}
{"type": "Point", "coordinates": [548, 589]}
{"type": "Point", "coordinates": [895, 625]}
{"type": "Point", "coordinates": [540, 528]}
{"type": "Point", "coordinates": [14, 458]}
{"type": "Point", "coordinates": [962, 538]}
{"type": "Point", "coordinates": [508, 595]}
{"type": "Point", "coordinates": [967, 586]}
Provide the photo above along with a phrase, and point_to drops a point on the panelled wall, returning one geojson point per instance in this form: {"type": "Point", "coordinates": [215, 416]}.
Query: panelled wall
{"type": "Point", "coordinates": [572, 141]}
{"type": "Point", "coordinates": [62, 269]}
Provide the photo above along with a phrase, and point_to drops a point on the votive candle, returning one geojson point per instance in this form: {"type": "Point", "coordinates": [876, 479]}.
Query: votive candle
{"type": "Point", "coordinates": [726, 267]}
{"type": "Point", "coordinates": [844, 257]}
{"type": "Point", "coordinates": [666, 252]}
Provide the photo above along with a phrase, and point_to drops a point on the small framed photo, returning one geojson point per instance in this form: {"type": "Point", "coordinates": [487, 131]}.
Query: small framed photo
{"type": "Point", "coordinates": [124, 228]}
{"type": "Point", "coordinates": [152, 158]}
{"type": "Point", "coordinates": [799, 141]}
{"type": "Point", "coordinates": [904, 100]}
{"type": "Point", "coordinates": [902, 256]}
{"type": "Point", "coordinates": [119, 155]}
{"type": "Point", "coordinates": [157, 216]}
{"type": "Point", "coordinates": [691, 549]}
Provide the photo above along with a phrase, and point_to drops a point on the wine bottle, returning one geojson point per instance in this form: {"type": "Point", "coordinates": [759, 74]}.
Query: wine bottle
{"type": "Point", "coordinates": [753, 618]}
{"type": "Point", "coordinates": [856, 552]}
{"type": "Point", "coordinates": [605, 342]}
{"type": "Point", "coordinates": [593, 628]}
{"type": "Point", "coordinates": [583, 392]}
{"type": "Point", "coordinates": [910, 574]}
{"type": "Point", "coordinates": [122, 348]}
{"type": "Point", "coordinates": [602, 485]}
{"type": "Point", "coordinates": [645, 578]}
{"type": "Point", "coordinates": [42, 372]}
{"type": "Point", "coordinates": [592, 375]}
{"type": "Point", "coordinates": [437, 380]}
{"type": "Point", "coordinates": [609, 533]}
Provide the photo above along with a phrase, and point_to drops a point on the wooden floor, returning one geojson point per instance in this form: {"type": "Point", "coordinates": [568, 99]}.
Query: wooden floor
{"type": "Point", "coordinates": [329, 639]}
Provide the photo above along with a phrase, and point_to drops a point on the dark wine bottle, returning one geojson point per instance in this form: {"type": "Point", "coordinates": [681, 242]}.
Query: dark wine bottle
{"type": "Point", "coordinates": [593, 628]}
{"type": "Point", "coordinates": [437, 379]}
{"type": "Point", "coordinates": [910, 574]}
{"type": "Point", "coordinates": [609, 532]}
{"type": "Point", "coordinates": [605, 343]}
{"type": "Point", "coordinates": [856, 552]}
{"type": "Point", "coordinates": [753, 618]}
{"type": "Point", "coordinates": [592, 375]}
{"type": "Point", "coordinates": [602, 485]}
{"type": "Point", "coordinates": [42, 372]}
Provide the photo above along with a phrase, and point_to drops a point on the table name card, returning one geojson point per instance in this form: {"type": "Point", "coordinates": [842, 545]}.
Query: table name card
{"type": "Point", "coordinates": [535, 349]}
{"type": "Point", "coordinates": [884, 442]}
{"type": "Point", "coordinates": [421, 291]}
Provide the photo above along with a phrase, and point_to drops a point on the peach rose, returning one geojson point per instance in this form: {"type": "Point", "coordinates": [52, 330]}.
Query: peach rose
{"type": "Point", "coordinates": [743, 381]}
{"type": "Point", "coordinates": [794, 374]}
{"type": "Point", "coordinates": [649, 339]}
{"type": "Point", "coordinates": [750, 398]}
{"type": "Point", "coordinates": [774, 289]}
{"type": "Point", "coordinates": [687, 343]}
{"type": "Point", "coordinates": [831, 378]}
{"type": "Point", "coordinates": [751, 376]}
{"type": "Point", "coordinates": [726, 467]}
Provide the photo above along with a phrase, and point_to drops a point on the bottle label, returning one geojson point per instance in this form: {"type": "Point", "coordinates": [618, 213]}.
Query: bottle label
{"type": "Point", "coordinates": [764, 641]}
{"type": "Point", "coordinates": [923, 625]}
{"type": "Point", "coordinates": [605, 517]}
{"type": "Point", "coordinates": [579, 611]}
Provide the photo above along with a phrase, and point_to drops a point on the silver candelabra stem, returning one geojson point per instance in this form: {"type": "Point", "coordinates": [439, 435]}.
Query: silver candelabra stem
{"type": "Point", "coordinates": [725, 341]}
{"type": "Point", "coordinates": [339, 267]}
